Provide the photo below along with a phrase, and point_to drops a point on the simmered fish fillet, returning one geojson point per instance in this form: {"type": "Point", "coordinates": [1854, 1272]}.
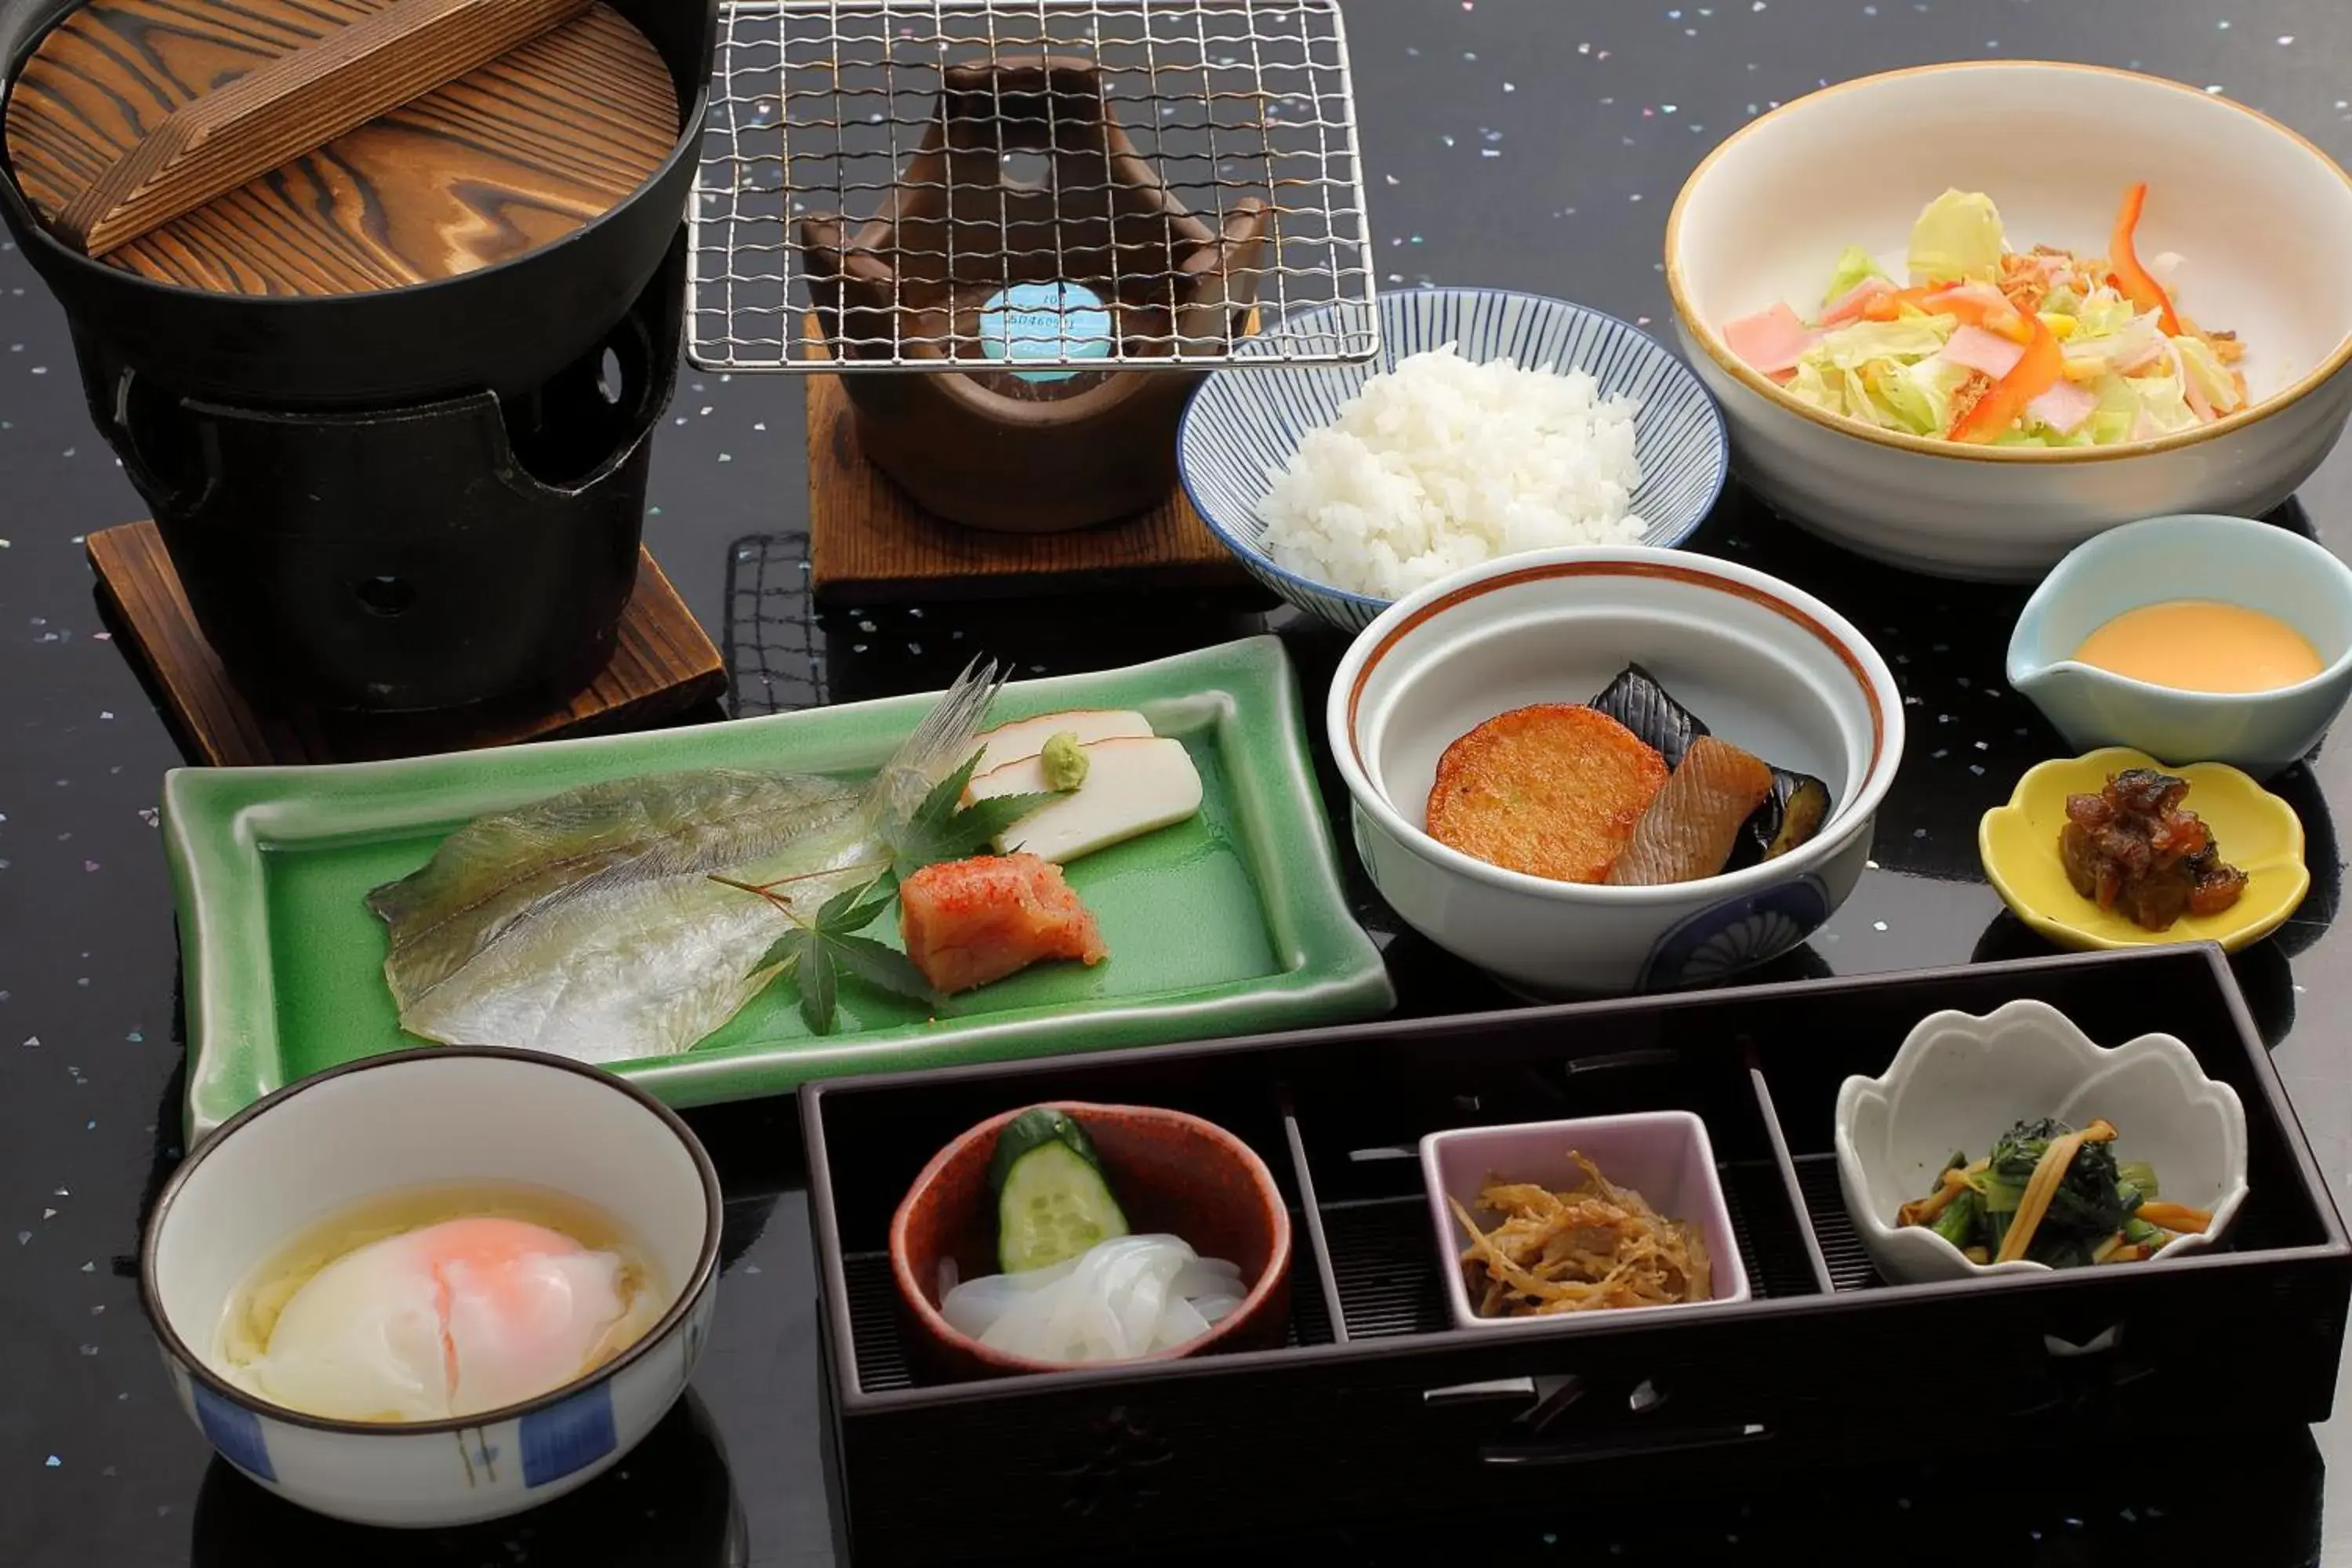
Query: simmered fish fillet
{"type": "Point", "coordinates": [1692, 824]}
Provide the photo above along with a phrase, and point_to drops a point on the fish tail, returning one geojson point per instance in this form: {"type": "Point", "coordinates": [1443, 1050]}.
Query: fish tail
{"type": "Point", "coordinates": [939, 745]}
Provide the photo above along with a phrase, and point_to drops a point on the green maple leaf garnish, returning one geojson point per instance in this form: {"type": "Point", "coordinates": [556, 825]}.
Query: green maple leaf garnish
{"type": "Point", "coordinates": [943, 828]}
{"type": "Point", "coordinates": [814, 953]}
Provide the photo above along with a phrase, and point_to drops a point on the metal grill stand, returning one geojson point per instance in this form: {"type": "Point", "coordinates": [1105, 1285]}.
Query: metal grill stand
{"type": "Point", "coordinates": [1063, 210]}
{"type": "Point", "coordinates": [1099, 236]}
{"type": "Point", "coordinates": [825, 107]}
{"type": "Point", "coordinates": [962, 268]}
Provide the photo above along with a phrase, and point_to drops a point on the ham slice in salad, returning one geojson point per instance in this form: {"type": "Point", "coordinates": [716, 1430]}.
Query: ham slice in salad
{"type": "Point", "coordinates": [2063, 407]}
{"type": "Point", "coordinates": [1772, 341]}
{"type": "Point", "coordinates": [1849, 306]}
{"type": "Point", "coordinates": [1979, 350]}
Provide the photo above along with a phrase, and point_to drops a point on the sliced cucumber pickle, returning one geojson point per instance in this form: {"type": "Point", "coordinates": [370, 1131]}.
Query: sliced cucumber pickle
{"type": "Point", "coordinates": [1052, 1202]}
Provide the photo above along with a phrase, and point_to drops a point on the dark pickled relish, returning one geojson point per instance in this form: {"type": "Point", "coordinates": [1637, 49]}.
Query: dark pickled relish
{"type": "Point", "coordinates": [2132, 848]}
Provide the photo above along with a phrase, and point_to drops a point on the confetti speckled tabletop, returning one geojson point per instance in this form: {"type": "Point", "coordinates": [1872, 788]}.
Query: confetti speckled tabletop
{"type": "Point", "coordinates": [1532, 144]}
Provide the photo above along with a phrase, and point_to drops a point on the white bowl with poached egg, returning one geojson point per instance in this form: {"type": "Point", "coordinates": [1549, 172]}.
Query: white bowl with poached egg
{"type": "Point", "coordinates": [435, 1287]}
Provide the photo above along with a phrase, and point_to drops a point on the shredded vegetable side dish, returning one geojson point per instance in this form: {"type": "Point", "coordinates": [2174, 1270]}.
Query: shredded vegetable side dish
{"type": "Point", "coordinates": [1596, 1245]}
{"type": "Point", "coordinates": [1987, 345]}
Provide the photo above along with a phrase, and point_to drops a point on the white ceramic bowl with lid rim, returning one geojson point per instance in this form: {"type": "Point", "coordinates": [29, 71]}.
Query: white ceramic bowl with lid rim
{"type": "Point", "coordinates": [432, 1117]}
{"type": "Point", "coordinates": [2259, 215]}
{"type": "Point", "coordinates": [1766, 666]}
{"type": "Point", "coordinates": [1958, 1081]}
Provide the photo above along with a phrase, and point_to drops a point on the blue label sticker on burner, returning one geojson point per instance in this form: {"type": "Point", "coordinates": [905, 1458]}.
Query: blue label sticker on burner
{"type": "Point", "coordinates": [1045, 320]}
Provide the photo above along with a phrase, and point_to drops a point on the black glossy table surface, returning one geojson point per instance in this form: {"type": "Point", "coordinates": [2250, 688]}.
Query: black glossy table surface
{"type": "Point", "coordinates": [1529, 143]}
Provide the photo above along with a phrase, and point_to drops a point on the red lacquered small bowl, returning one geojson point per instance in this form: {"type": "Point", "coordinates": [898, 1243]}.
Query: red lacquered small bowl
{"type": "Point", "coordinates": [1173, 1172]}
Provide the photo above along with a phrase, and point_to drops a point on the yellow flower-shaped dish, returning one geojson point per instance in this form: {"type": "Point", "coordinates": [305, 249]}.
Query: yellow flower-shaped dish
{"type": "Point", "coordinates": [2258, 833]}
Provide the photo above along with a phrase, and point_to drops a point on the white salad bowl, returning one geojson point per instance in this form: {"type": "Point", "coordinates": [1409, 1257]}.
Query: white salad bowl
{"type": "Point", "coordinates": [1243, 423]}
{"type": "Point", "coordinates": [1960, 1081]}
{"type": "Point", "coordinates": [2260, 217]}
{"type": "Point", "coordinates": [1767, 667]}
{"type": "Point", "coordinates": [411, 1119]}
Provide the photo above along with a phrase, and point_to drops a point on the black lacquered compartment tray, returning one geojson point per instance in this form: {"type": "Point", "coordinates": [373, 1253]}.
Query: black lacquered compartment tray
{"type": "Point", "coordinates": [1377, 1402]}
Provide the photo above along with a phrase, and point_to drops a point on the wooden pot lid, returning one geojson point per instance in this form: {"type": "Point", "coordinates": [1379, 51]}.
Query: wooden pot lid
{"type": "Point", "coordinates": [509, 155]}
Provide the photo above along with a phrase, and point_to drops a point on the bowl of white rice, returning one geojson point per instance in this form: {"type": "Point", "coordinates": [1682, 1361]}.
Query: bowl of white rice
{"type": "Point", "coordinates": [1490, 423]}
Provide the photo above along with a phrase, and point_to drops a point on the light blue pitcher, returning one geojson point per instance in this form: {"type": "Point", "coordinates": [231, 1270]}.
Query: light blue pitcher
{"type": "Point", "coordinates": [2231, 558]}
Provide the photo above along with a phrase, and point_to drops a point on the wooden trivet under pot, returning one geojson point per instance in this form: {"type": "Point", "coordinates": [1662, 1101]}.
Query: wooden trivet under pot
{"type": "Point", "coordinates": [870, 542]}
{"type": "Point", "coordinates": [662, 666]}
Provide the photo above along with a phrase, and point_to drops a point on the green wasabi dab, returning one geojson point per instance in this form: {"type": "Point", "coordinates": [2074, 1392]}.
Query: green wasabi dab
{"type": "Point", "coordinates": [1063, 760]}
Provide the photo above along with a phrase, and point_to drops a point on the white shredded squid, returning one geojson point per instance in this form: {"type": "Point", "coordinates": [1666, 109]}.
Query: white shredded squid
{"type": "Point", "coordinates": [1130, 1296]}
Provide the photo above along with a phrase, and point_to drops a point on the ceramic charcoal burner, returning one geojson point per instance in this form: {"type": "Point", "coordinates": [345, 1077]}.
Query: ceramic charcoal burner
{"type": "Point", "coordinates": [379, 302]}
{"type": "Point", "coordinates": [971, 268]}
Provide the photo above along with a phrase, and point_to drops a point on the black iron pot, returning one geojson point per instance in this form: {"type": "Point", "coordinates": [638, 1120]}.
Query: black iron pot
{"type": "Point", "coordinates": [509, 327]}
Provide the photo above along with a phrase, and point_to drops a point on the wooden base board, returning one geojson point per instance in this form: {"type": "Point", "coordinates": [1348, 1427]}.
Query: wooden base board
{"type": "Point", "coordinates": [871, 543]}
{"type": "Point", "coordinates": [662, 665]}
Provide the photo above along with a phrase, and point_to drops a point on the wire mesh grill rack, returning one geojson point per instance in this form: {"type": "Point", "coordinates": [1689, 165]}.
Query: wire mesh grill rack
{"type": "Point", "coordinates": [911, 174]}
{"type": "Point", "coordinates": [775, 650]}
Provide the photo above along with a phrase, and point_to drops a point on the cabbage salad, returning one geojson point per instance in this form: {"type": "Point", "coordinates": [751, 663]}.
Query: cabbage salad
{"type": "Point", "coordinates": [1985, 344]}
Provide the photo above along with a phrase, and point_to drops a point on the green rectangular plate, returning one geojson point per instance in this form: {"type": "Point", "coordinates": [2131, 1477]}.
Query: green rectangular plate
{"type": "Point", "coordinates": [1229, 924]}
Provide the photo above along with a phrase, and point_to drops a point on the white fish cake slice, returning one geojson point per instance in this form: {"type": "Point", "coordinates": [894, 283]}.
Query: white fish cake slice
{"type": "Point", "coordinates": [1023, 737]}
{"type": "Point", "coordinates": [1133, 786]}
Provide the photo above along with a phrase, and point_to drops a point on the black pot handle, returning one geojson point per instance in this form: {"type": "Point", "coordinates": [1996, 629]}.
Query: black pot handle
{"type": "Point", "coordinates": [178, 482]}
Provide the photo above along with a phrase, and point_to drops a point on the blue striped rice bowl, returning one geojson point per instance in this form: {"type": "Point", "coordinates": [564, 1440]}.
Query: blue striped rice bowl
{"type": "Point", "coordinates": [1245, 423]}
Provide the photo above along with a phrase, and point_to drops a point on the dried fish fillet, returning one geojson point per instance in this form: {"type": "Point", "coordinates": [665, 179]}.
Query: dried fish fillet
{"type": "Point", "coordinates": [588, 924]}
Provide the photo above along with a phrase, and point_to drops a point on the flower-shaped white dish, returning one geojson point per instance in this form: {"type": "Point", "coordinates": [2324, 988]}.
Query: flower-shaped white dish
{"type": "Point", "coordinates": [1960, 1081]}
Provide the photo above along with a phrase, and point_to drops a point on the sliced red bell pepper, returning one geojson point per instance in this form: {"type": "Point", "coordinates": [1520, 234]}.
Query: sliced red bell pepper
{"type": "Point", "coordinates": [2126, 272]}
{"type": "Point", "coordinates": [2040, 367]}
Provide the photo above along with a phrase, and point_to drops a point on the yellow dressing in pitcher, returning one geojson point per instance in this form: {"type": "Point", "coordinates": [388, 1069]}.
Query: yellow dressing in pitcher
{"type": "Point", "coordinates": [2202, 645]}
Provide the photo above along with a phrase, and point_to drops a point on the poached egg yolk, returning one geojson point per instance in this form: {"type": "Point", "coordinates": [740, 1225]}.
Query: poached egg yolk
{"type": "Point", "coordinates": [450, 1320]}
